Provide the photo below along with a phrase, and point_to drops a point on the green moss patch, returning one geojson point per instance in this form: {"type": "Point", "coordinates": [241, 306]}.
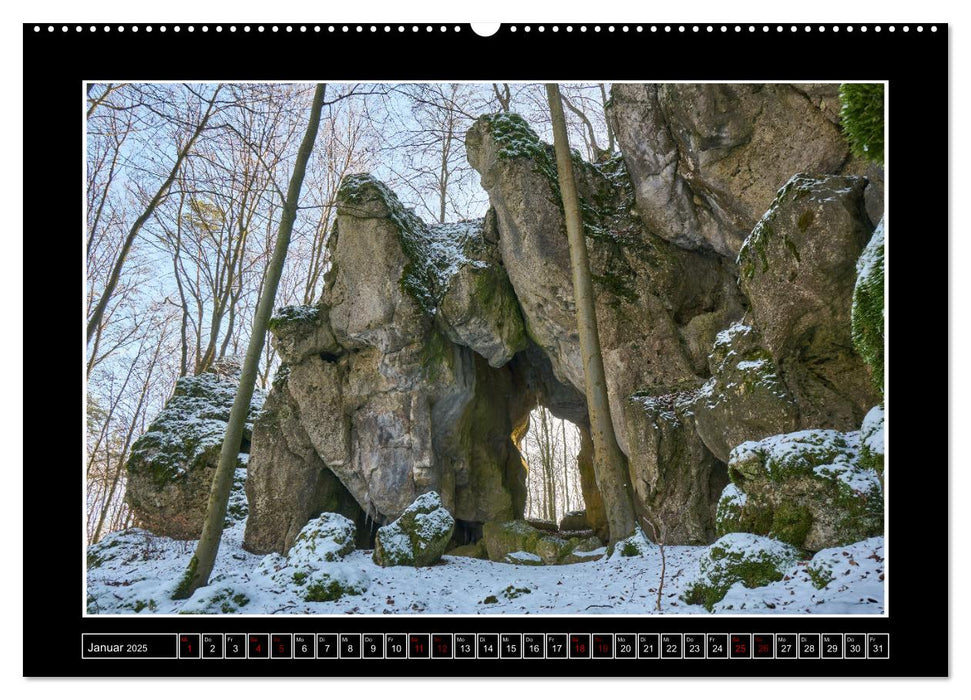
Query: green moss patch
{"type": "Point", "coordinates": [742, 558]}
{"type": "Point", "coordinates": [868, 306]}
{"type": "Point", "coordinates": [791, 523]}
{"type": "Point", "coordinates": [861, 117]}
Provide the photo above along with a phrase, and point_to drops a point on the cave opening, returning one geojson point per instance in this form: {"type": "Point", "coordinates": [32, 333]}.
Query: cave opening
{"type": "Point", "coordinates": [551, 449]}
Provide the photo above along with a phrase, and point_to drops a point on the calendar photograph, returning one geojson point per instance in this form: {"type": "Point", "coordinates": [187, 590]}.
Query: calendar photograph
{"type": "Point", "coordinates": [492, 348]}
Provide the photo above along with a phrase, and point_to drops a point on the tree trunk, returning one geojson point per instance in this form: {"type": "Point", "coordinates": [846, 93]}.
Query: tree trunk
{"type": "Point", "coordinates": [200, 566]}
{"type": "Point", "coordinates": [610, 465]}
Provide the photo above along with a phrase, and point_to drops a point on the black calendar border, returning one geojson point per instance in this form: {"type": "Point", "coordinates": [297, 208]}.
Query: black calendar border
{"type": "Point", "coordinates": [914, 62]}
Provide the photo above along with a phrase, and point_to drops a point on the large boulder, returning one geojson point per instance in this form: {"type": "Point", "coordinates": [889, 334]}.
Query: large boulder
{"type": "Point", "coordinates": [745, 398]}
{"type": "Point", "coordinates": [509, 538]}
{"type": "Point", "coordinates": [798, 270]}
{"type": "Point", "coordinates": [574, 520]}
{"type": "Point", "coordinates": [326, 538]}
{"type": "Point", "coordinates": [739, 558]}
{"type": "Point", "coordinates": [676, 479]}
{"type": "Point", "coordinates": [172, 464]}
{"type": "Point", "coordinates": [419, 537]}
{"type": "Point", "coordinates": [707, 159]}
{"type": "Point", "coordinates": [475, 550]}
{"type": "Point", "coordinates": [518, 542]}
{"type": "Point", "coordinates": [806, 488]}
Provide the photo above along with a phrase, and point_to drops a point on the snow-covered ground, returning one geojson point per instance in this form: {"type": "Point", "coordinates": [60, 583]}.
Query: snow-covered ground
{"type": "Point", "coordinates": [135, 571]}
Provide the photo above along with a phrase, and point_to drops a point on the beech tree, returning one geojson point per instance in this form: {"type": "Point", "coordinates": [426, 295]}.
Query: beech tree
{"type": "Point", "coordinates": [201, 564]}
{"type": "Point", "coordinates": [610, 464]}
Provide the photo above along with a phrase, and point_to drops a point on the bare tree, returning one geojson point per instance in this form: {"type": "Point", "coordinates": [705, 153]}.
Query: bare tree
{"type": "Point", "coordinates": [96, 316]}
{"type": "Point", "coordinates": [503, 95]}
{"type": "Point", "coordinates": [610, 463]}
{"type": "Point", "coordinates": [200, 566]}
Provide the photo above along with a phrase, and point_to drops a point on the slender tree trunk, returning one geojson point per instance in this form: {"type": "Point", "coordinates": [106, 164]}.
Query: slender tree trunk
{"type": "Point", "coordinates": [502, 95]}
{"type": "Point", "coordinates": [610, 130]}
{"type": "Point", "coordinates": [566, 472]}
{"type": "Point", "coordinates": [609, 462]}
{"type": "Point", "coordinates": [200, 566]}
{"type": "Point", "coordinates": [99, 310]}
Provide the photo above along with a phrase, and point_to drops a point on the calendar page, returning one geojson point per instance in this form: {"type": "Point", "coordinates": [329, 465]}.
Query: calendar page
{"type": "Point", "coordinates": [556, 349]}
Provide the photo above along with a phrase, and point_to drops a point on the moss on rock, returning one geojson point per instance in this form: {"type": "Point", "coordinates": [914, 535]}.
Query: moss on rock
{"type": "Point", "coordinates": [744, 558]}
{"type": "Point", "coordinates": [728, 514]}
{"type": "Point", "coordinates": [323, 587]}
{"type": "Point", "coordinates": [418, 537]}
{"type": "Point", "coordinates": [868, 306]}
{"type": "Point", "coordinates": [226, 600]}
{"type": "Point", "coordinates": [476, 550]}
{"type": "Point", "coordinates": [871, 440]}
{"type": "Point", "coordinates": [861, 116]}
{"type": "Point", "coordinates": [791, 523]}
{"type": "Point", "coordinates": [327, 538]}
{"type": "Point", "coordinates": [508, 538]}
{"type": "Point", "coordinates": [807, 488]}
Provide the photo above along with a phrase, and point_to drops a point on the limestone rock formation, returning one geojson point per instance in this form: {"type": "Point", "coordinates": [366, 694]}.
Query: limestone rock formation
{"type": "Point", "coordinates": [798, 271]}
{"type": "Point", "coordinates": [418, 537]}
{"type": "Point", "coordinates": [375, 391]}
{"type": "Point", "coordinates": [675, 477]}
{"type": "Point", "coordinates": [172, 464]}
{"type": "Point", "coordinates": [288, 482]}
{"type": "Point", "coordinates": [417, 370]}
{"type": "Point", "coordinates": [479, 308]}
{"type": "Point", "coordinates": [806, 488]}
{"type": "Point", "coordinates": [707, 159]}
{"type": "Point", "coordinates": [658, 306]}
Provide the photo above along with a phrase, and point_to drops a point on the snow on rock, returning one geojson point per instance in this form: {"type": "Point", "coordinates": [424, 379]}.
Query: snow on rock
{"type": "Point", "coordinates": [838, 581]}
{"type": "Point", "coordinates": [334, 582]}
{"type": "Point", "coordinates": [171, 466]}
{"type": "Point", "coordinates": [729, 511]}
{"type": "Point", "coordinates": [213, 600]}
{"type": "Point", "coordinates": [868, 305]}
{"type": "Point", "coordinates": [871, 440]}
{"type": "Point", "coordinates": [326, 538]}
{"type": "Point", "coordinates": [739, 558]}
{"type": "Point", "coordinates": [808, 488]}
{"type": "Point", "coordinates": [418, 537]}
{"type": "Point", "coordinates": [527, 558]}
{"type": "Point", "coordinates": [637, 544]}
{"type": "Point", "coordinates": [745, 398]}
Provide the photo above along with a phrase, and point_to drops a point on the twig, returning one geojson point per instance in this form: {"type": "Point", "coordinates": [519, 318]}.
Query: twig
{"type": "Point", "coordinates": [659, 540]}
